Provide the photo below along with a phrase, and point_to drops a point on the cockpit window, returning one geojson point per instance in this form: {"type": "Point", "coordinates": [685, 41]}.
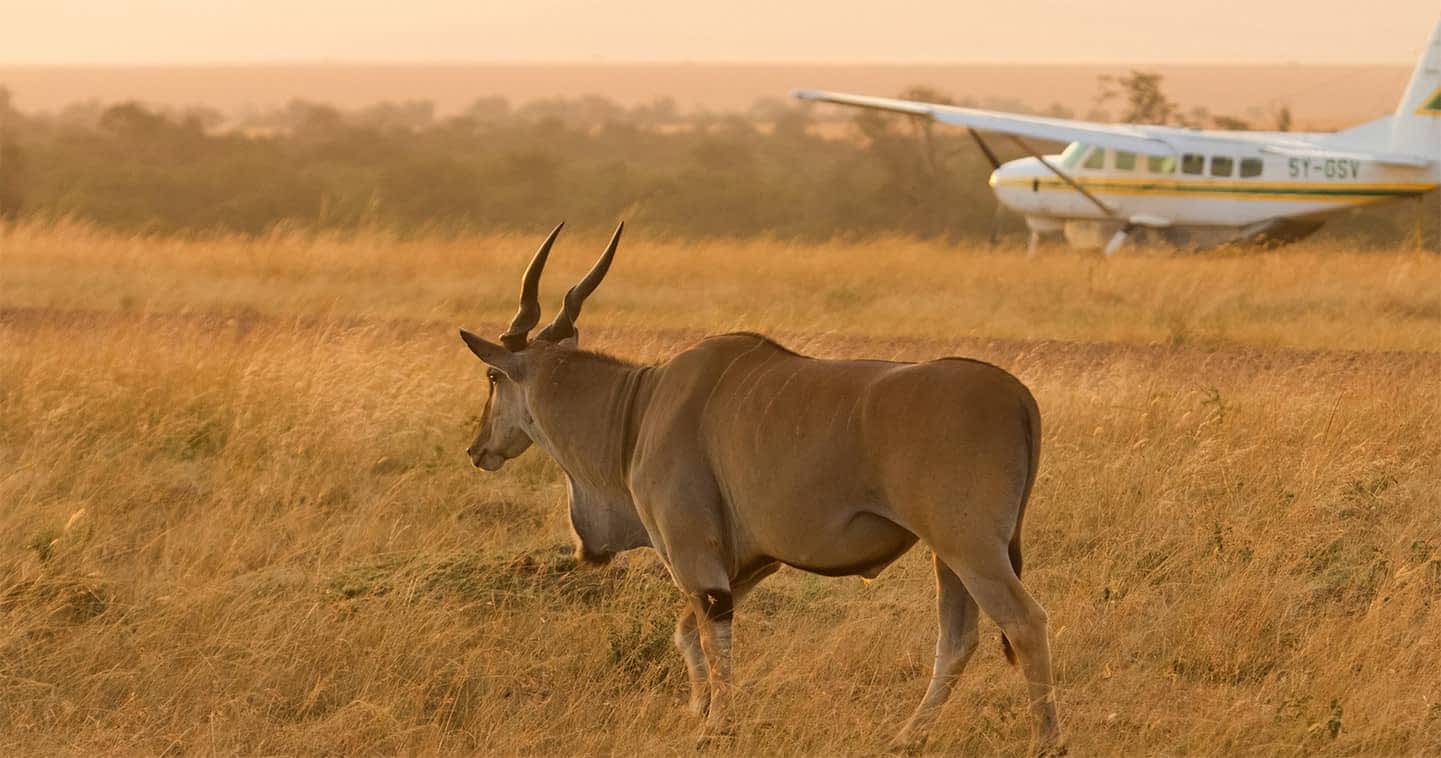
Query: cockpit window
{"type": "Point", "coordinates": [1125, 161]}
{"type": "Point", "coordinates": [1097, 159]}
{"type": "Point", "coordinates": [1072, 154]}
{"type": "Point", "coordinates": [1161, 164]}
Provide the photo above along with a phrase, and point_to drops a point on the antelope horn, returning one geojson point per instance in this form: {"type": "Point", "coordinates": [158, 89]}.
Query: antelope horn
{"type": "Point", "coordinates": [516, 338]}
{"type": "Point", "coordinates": [564, 324]}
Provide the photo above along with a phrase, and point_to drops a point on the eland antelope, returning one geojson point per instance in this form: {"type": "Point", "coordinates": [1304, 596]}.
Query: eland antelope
{"type": "Point", "coordinates": [738, 456]}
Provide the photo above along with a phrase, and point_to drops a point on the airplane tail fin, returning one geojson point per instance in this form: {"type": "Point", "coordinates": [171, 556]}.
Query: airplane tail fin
{"type": "Point", "coordinates": [1416, 127]}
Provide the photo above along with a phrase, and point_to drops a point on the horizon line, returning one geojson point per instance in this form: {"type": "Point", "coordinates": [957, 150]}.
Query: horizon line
{"type": "Point", "coordinates": [601, 62]}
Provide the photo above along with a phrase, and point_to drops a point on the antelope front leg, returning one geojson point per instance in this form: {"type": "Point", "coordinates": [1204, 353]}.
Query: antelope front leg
{"type": "Point", "coordinates": [713, 611]}
{"type": "Point", "coordinates": [687, 639]}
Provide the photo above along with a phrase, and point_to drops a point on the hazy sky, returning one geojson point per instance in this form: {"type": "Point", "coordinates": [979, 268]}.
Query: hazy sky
{"type": "Point", "coordinates": [201, 31]}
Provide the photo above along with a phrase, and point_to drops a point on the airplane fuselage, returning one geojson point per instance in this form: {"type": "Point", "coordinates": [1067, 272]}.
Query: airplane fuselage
{"type": "Point", "coordinates": [1232, 189]}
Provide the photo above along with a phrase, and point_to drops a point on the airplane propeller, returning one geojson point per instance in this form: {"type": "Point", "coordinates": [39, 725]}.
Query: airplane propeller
{"type": "Point", "coordinates": [995, 164]}
{"type": "Point", "coordinates": [1128, 226]}
{"type": "Point", "coordinates": [995, 233]}
{"type": "Point", "coordinates": [1133, 223]}
{"type": "Point", "coordinates": [1096, 201]}
{"type": "Point", "coordinates": [1119, 238]}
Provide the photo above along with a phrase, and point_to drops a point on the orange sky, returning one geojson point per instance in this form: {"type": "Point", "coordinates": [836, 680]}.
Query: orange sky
{"type": "Point", "coordinates": [201, 31]}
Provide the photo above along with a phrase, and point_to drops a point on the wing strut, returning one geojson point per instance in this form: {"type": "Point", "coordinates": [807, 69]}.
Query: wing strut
{"type": "Point", "coordinates": [990, 156]}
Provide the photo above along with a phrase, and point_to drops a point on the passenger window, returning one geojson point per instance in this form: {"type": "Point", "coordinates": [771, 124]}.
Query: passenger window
{"type": "Point", "coordinates": [1251, 167]}
{"type": "Point", "coordinates": [1222, 166]}
{"type": "Point", "coordinates": [1192, 163]}
{"type": "Point", "coordinates": [1097, 158]}
{"type": "Point", "coordinates": [1125, 161]}
{"type": "Point", "coordinates": [1161, 164]}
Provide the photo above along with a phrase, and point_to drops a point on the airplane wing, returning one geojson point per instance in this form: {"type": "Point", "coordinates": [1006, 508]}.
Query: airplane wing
{"type": "Point", "coordinates": [1145, 139]}
{"type": "Point", "coordinates": [1114, 136]}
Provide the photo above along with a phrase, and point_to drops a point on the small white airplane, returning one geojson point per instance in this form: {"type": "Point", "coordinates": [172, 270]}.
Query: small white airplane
{"type": "Point", "coordinates": [1197, 187]}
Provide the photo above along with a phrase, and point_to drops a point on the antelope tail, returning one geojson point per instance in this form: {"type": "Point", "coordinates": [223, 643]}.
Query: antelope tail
{"type": "Point", "coordinates": [1015, 551]}
{"type": "Point", "coordinates": [1032, 419]}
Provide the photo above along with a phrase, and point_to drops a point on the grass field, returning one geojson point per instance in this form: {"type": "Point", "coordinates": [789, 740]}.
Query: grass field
{"type": "Point", "coordinates": [237, 516]}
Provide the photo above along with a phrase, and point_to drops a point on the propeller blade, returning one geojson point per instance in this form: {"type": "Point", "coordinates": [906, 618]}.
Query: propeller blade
{"type": "Point", "coordinates": [996, 225]}
{"type": "Point", "coordinates": [1118, 239]}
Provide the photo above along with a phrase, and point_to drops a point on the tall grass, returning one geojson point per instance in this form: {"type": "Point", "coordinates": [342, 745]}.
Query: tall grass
{"type": "Point", "coordinates": [235, 515]}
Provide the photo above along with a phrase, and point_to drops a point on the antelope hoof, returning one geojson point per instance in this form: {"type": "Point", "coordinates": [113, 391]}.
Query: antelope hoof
{"type": "Point", "coordinates": [699, 705]}
{"type": "Point", "coordinates": [712, 740]}
{"type": "Point", "coordinates": [904, 745]}
{"type": "Point", "coordinates": [1053, 750]}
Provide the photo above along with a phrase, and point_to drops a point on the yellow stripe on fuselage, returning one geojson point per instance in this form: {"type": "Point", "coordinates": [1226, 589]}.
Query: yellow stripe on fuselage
{"type": "Point", "coordinates": [1270, 191]}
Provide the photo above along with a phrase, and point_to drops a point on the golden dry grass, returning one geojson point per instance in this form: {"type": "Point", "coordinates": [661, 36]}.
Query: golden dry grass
{"type": "Point", "coordinates": [237, 516]}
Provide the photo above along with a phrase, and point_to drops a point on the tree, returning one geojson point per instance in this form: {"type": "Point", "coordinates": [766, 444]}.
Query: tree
{"type": "Point", "coordinates": [1144, 102]}
{"type": "Point", "coordinates": [1231, 123]}
{"type": "Point", "coordinates": [1282, 116]}
{"type": "Point", "coordinates": [488, 110]}
{"type": "Point", "coordinates": [925, 125]}
{"type": "Point", "coordinates": [661, 111]}
{"type": "Point", "coordinates": [408, 116]}
{"type": "Point", "coordinates": [1056, 110]}
{"type": "Point", "coordinates": [10, 163]}
{"type": "Point", "coordinates": [132, 121]}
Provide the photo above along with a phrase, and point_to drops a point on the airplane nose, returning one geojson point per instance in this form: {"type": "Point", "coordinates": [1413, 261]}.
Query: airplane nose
{"type": "Point", "coordinates": [1015, 183]}
{"type": "Point", "coordinates": [1021, 168]}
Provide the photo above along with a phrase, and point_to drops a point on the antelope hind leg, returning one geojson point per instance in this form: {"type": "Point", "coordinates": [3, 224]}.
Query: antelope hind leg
{"type": "Point", "coordinates": [957, 640]}
{"type": "Point", "coordinates": [1000, 594]}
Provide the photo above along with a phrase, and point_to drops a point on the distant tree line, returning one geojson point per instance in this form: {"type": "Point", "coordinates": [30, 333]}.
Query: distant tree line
{"type": "Point", "coordinates": [1143, 100]}
{"type": "Point", "coordinates": [774, 170]}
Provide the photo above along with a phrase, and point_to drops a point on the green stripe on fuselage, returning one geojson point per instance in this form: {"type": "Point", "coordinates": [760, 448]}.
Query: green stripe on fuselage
{"type": "Point", "coordinates": [1339, 191]}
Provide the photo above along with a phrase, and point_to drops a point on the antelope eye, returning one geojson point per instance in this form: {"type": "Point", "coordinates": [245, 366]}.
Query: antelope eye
{"type": "Point", "coordinates": [493, 375]}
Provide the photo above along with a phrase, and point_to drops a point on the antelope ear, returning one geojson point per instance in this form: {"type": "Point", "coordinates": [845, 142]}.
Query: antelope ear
{"type": "Point", "coordinates": [493, 355]}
